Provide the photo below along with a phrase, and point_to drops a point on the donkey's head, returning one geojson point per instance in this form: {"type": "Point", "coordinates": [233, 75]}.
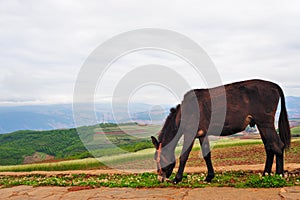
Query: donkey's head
{"type": "Point", "coordinates": [165, 147]}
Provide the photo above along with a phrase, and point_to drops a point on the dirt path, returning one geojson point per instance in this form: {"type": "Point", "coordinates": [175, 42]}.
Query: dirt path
{"type": "Point", "coordinates": [257, 167]}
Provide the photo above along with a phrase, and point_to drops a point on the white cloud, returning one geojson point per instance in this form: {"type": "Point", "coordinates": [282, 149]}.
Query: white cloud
{"type": "Point", "coordinates": [44, 43]}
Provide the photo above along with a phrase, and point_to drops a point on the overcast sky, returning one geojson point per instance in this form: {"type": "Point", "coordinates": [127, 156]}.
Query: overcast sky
{"type": "Point", "coordinates": [43, 44]}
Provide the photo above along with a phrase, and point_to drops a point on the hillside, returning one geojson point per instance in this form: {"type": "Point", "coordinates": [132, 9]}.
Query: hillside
{"type": "Point", "coordinates": [32, 146]}
{"type": "Point", "coordinates": [14, 147]}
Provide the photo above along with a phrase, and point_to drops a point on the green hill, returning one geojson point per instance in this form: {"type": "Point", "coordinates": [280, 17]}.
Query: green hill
{"type": "Point", "coordinates": [295, 131]}
{"type": "Point", "coordinates": [66, 144]}
{"type": "Point", "coordinates": [61, 144]}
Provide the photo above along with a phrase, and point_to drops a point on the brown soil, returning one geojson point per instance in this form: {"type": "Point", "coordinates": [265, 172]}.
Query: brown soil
{"type": "Point", "coordinates": [242, 155]}
{"type": "Point", "coordinates": [37, 157]}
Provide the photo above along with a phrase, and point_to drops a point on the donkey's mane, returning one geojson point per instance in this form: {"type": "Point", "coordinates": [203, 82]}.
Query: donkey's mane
{"type": "Point", "coordinates": [170, 120]}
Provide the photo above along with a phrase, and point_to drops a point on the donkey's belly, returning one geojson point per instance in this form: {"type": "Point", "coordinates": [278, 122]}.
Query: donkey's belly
{"type": "Point", "coordinates": [221, 131]}
{"type": "Point", "coordinates": [230, 131]}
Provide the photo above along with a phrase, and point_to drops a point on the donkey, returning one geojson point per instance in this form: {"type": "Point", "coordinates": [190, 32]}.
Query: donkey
{"type": "Point", "coordinates": [252, 102]}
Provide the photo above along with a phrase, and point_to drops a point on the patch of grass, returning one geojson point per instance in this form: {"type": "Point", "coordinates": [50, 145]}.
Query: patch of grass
{"type": "Point", "coordinates": [87, 163]}
{"type": "Point", "coordinates": [295, 130]}
{"type": "Point", "coordinates": [82, 164]}
{"type": "Point", "coordinates": [149, 180]}
{"type": "Point", "coordinates": [266, 181]}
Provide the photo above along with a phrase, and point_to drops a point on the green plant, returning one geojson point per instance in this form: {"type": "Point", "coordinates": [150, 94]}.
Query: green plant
{"type": "Point", "coordinates": [148, 180]}
{"type": "Point", "coordinates": [268, 181]}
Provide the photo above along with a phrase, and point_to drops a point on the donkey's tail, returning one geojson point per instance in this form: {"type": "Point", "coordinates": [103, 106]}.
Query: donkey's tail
{"type": "Point", "coordinates": [284, 126]}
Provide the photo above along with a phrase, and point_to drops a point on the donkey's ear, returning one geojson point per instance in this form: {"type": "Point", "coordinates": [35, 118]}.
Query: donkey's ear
{"type": "Point", "coordinates": [155, 142]}
{"type": "Point", "coordinates": [172, 110]}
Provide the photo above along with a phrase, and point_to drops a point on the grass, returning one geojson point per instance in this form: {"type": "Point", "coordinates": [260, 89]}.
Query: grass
{"type": "Point", "coordinates": [145, 155]}
{"type": "Point", "coordinates": [81, 164]}
{"type": "Point", "coordinates": [238, 179]}
{"type": "Point", "coordinates": [295, 130]}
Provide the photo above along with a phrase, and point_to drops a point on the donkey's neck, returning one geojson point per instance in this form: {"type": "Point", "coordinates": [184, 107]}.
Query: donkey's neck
{"type": "Point", "coordinates": [172, 143]}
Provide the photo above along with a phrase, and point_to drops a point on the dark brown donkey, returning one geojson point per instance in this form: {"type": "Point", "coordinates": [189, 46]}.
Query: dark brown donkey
{"type": "Point", "coordinates": [252, 102]}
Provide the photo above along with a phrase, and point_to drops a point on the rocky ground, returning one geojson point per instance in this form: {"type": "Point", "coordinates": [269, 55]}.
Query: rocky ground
{"type": "Point", "coordinates": [82, 193]}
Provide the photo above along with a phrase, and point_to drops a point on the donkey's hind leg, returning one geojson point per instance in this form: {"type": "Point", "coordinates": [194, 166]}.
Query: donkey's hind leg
{"type": "Point", "coordinates": [269, 161]}
{"type": "Point", "coordinates": [273, 145]}
{"type": "Point", "coordinates": [279, 154]}
{"type": "Point", "coordinates": [279, 164]}
{"type": "Point", "coordinates": [205, 147]}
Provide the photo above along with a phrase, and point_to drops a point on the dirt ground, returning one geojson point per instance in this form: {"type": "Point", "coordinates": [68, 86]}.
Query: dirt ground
{"type": "Point", "coordinates": [208, 193]}
{"type": "Point", "coordinates": [256, 167]}
{"type": "Point", "coordinates": [85, 193]}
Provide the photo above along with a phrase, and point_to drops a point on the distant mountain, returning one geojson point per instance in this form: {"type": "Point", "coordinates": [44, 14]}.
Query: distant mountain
{"type": "Point", "coordinates": [48, 117]}
{"type": "Point", "coordinates": [293, 106]}
{"type": "Point", "coordinates": [35, 117]}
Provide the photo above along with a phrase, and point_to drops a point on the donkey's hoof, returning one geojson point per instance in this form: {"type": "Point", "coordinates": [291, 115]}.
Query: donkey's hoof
{"type": "Point", "coordinates": [209, 178]}
{"type": "Point", "coordinates": [175, 181]}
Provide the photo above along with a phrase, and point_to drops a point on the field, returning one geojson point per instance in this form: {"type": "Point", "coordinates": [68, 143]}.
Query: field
{"type": "Point", "coordinates": [92, 141]}
{"type": "Point", "coordinates": [227, 152]}
{"type": "Point", "coordinates": [134, 155]}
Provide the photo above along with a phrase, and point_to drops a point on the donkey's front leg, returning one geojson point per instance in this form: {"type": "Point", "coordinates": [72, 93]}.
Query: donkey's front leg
{"type": "Point", "coordinates": [204, 142]}
{"type": "Point", "coordinates": [186, 149]}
